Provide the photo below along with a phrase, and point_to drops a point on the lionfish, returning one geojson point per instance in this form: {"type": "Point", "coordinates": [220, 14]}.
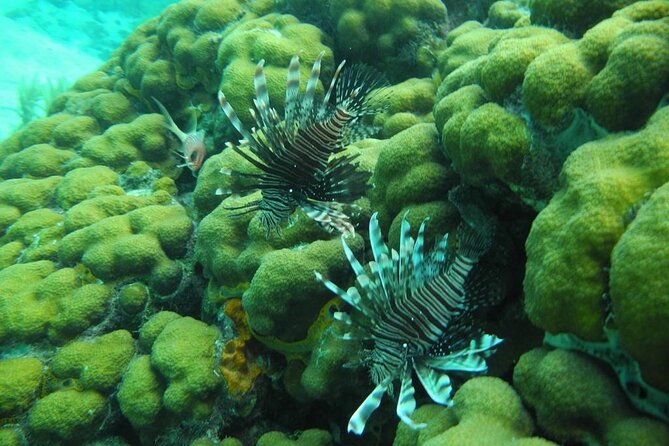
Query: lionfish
{"type": "Point", "coordinates": [416, 311]}
{"type": "Point", "coordinates": [294, 154]}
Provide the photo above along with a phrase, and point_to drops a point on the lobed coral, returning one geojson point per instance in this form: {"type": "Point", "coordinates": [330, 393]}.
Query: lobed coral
{"type": "Point", "coordinates": [553, 384]}
{"type": "Point", "coordinates": [486, 411]}
{"type": "Point", "coordinates": [98, 238]}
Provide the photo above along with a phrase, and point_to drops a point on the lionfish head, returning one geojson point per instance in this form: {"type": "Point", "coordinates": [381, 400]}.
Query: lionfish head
{"type": "Point", "coordinates": [415, 311]}
{"type": "Point", "coordinates": [293, 153]}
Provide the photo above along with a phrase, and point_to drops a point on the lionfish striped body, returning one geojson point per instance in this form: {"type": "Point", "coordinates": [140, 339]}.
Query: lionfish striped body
{"type": "Point", "coordinates": [294, 155]}
{"type": "Point", "coordinates": [416, 311]}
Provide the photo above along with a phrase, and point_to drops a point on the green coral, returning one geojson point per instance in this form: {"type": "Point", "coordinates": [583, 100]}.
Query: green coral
{"type": "Point", "coordinates": [482, 129]}
{"type": "Point", "coordinates": [634, 80]}
{"type": "Point", "coordinates": [493, 144]}
{"type": "Point", "coordinates": [66, 416]}
{"type": "Point", "coordinates": [509, 55]}
{"type": "Point", "coordinates": [111, 108]}
{"type": "Point", "coordinates": [276, 39]}
{"type": "Point", "coordinates": [323, 377]}
{"type": "Point", "coordinates": [184, 354]}
{"type": "Point", "coordinates": [20, 382]}
{"type": "Point", "coordinates": [133, 298]}
{"type": "Point", "coordinates": [486, 411]}
{"type": "Point", "coordinates": [75, 131]}
{"type": "Point", "coordinates": [507, 14]}
{"type": "Point", "coordinates": [141, 379]}
{"type": "Point", "coordinates": [79, 310]}
{"type": "Point", "coordinates": [401, 34]}
{"type": "Point", "coordinates": [466, 43]}
{"type": "Point", "coordinates": [38, 301]}
{"type": "Point", "coordinates": [143, 242]}
{"type": "Point", "coordinates": [404, 105]}
{"type": "Point", "coordinates": [555, 83]}
{"type": "Point", "coordinates": [410, 170]}
{"type": "Point", "coordinates": [616, 71]}
{"type": "Point", "coordinates": [283, 298]}
{"type": "Point", "coordinates": [309, 437]}
{"type": "Point", "coordinates": [569, 246]}
{"type": "Point", "coordinates": [153, 327]}
{"type": "Point", "coordinates": [554, 382]}
{"type": "Point", "coordinates": [37, 161]}
{"type": "Point", "coordinates": [24, 195]}
{"type": "Point", "coordinates": [638, 288]}
{"type": "Point", "coordinates": [10, 436]}
{"type": "Point", "coordinates": [121, 144]}
{"type": "Point", "coordinates": [97, 364]}
{"type": "Point", "coordinates": [573, 15]}
{"type": "Point", "coordinates": [106, 201]}
{"type": "Point", "coordinates": [78, 183]}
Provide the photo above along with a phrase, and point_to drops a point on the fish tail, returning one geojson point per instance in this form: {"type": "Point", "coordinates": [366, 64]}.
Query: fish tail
{"type": "Point", "coordinates": [169, 123]}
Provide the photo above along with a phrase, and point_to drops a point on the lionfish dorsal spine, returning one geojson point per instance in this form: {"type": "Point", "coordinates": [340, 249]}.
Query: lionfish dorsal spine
{"type": "Point", "coordinates": [232, 116]}
{"type": "Point", "coordinates": [417, 257]}
{"type": "Point", "coordinates": [262, 96]}
{"type": "Point", "coordinates": [292, 91]}
{"type": "Point", "coordinates": [335, 77]}
{"type": "Point", "coordinates": [310, 91]}
{"type": "Point", "coordinates": [380, 253]}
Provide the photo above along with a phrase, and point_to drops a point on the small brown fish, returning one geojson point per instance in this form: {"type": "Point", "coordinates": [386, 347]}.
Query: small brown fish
{"type": "Point", "coordinates": [192, 142]}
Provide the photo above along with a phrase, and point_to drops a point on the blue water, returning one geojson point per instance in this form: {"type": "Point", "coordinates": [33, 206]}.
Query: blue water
{"type": "Point", "coordinates": [58, 41]}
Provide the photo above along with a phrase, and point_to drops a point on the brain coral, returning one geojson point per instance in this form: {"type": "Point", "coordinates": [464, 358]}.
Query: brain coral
{"type": "Point", "coordinates": [638, 287]}
{"type": "Point", "coordinates": [554, 384]}
{"type": "Point", "coordinates": [486, 411]}
{"type": "Point", "coordinates": [617, 71]}
{"type": "Point", "coordinates": [570, 245]}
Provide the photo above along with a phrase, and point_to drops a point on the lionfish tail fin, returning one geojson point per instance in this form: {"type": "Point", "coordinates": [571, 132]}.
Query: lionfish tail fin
{"type": "Point", "coordinates": [475, 241]}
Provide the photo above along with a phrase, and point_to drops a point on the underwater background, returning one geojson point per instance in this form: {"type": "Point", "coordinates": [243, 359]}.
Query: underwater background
{"type": "Point", "coordinates": [149, 294]}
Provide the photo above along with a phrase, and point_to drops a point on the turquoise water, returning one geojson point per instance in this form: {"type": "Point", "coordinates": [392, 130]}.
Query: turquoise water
{"type": "Point", "coordinates": [52, 43]}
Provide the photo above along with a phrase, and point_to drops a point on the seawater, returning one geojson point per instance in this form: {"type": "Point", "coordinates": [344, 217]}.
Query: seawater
{"type": "Point", "coordinates": [46, 45]}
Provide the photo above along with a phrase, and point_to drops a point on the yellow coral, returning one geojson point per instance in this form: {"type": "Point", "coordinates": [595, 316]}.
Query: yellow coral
{"type": "Point", "coordinates": [238, 364]}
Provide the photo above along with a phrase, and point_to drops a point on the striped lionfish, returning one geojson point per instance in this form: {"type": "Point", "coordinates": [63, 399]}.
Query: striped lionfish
{"type": "Point", "coordinates": [294, 154]}
{"type": "Point", "coordinates": [416, 310]}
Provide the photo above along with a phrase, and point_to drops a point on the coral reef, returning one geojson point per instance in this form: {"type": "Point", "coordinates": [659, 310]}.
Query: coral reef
{"type": "Point", "coordinates": [553, 384]}
{"type": "Point", "coordinates": [487, 411]}
{"type": "Point", "coordinates": [138, 307]}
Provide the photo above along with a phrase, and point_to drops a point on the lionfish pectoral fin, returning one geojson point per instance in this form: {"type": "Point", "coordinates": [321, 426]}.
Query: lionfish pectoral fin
{"type": "Point", "coordinates": [360, 417]}
{"type": "Point", "coordinates": [485, 344]}
{"type": "Point", "coordinates": [437, 385]}
{"type": "Point", "coordinates": [327, 216]}
{"type": "Point", "coordinates": [406, 403]}
{"type": "Point", "coordinates": [462, 361]}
